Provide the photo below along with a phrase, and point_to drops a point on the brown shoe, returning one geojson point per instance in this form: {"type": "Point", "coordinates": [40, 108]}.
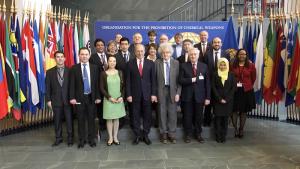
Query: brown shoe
{"type": "Point", "coordinates": [187, 139]}
{"type": "Point", "coordinates": [163, 138]}
{"type": "Point", "coordinates": [200, 139]}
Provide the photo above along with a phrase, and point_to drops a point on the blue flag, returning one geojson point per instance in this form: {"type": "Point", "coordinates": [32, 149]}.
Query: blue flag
{"type": "Point", "coordinates": [230, 37]}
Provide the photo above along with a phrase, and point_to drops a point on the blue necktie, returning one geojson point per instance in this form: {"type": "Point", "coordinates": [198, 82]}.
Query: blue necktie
{"type": "Point", "coordinates": [86, 88]}
{"type": "Point", "coordinates": [167, 73]}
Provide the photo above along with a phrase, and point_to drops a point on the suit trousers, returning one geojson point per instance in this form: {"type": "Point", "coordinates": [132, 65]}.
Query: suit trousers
{"type": "Point", "coordinates": [167, 114]}
{"type": "Point", "coordinates": [140, 109]}
{"type": "Point", "coordinates": [193, 115]}
{"type": "Point", "coordinates": [221, 126]}
{"type": "Point", "coordinates": [59, 112]}
{"type": "Point", "coordinates": [86, 114]}
{"type": "Point", "coordinates": [207, 115]}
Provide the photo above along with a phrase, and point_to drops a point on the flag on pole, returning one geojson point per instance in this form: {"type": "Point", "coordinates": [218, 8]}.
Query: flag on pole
{"type": "Point", "coordinates": [50, 48]}
{"type": "Point", "coordinates": [268, 64]}
{"type": "Point", "coordinates": [289, 97]}
{"type": "Point", "coordinates": [240, 36]}
{"type": "Point", "coordinates": [277, 86]}
{"type": "Point", "coordinates": [86, 36]}
{"type": "Point", "coordinates": [230, 38]}
{"type": "Point", "coordinates": [76, 43]}
{"type": "Point", "coordinates": [67, 48]}
{"type": "Point", "coordinates": [39, 64]}
{"type": "Point", "coordinates": [27, 42]}
{"type": "Point", "coordinates": [3, 87]}
{"type": "Point", "coordinates": [250, 44]}
{"type": "Point", "coordinates": [259, 61]}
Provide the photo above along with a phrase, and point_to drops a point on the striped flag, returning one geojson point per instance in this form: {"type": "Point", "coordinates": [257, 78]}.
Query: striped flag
{"type": "Point", "coordinates": [86, 36]}
{"type": "Point", "coordinates": [76, 44]}
{"type": "Point", "coordinates": [259, 66]}
{"type": "Point", "coordinates": [39, 64]}
{"type": "Point", "coordinates": [27, 41]}
{"type": "Point", "coordinates": [50, 48]}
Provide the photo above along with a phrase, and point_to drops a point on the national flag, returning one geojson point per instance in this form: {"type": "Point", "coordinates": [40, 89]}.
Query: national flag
{"type": "Point", "coordinates": [14, 65]}
{"type": "Point", "coordinates": [297, 58]}
{"type": "Point", "coordinates": [289, 97]}
{"type": "Point", "coordinates": [39, 64]}
{"type": "Point", "coordinates": [250, 45]}
{"type": "Point", "coordinates": [259, 66]}
{"type": "Point", "coordinates": [294, 77]}
{"type": "Point", "coordinates": [27, 43]}
{"type": "Point", "coordinates": [277, 85]}
{"type": "Point", "coordinates": [3, 87]}
{"type": "Point", "coordinates": [268, 64]}
{"type": "Point", "coordinates": [86, 36]}
{"type": "Point", "coordinates": [50, 48]}
{"type": "Point", "coordinates": [67, 48]}
{"type": "Point", "coordinates": [246, 37]}
{"type": "Point", "coordinates": [80, 36]}
{"type": "Point", "coordinates": [76, 43]}
{"type": "Point", "coordinates": [240, 36]}
{"type": "Point", "coordinates": [255, 37]}
{"type": "Point", "coordinates": [230, 38]}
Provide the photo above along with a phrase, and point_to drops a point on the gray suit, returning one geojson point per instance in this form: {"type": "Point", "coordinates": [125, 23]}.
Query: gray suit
{"type": "Point", "coordinates": [166, 96]}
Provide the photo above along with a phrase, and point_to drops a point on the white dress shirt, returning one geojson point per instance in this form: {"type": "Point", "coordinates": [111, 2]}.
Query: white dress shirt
{"type": "Point", "coordinates": [178, 50]}
{"type": "Point", "coordinates": [219, 54]}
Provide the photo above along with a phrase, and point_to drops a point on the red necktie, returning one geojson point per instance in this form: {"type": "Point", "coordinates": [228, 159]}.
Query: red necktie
{"type": "Point", "coordinates": [141, 68]}
{"type": "Point", "coordinates": [194, 70]}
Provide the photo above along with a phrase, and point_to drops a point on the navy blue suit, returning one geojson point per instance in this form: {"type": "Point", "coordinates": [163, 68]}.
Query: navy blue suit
{"type": "Point", "coordinates": [141, 88]}
{"type": "Point", "coordinates": [193, 95]}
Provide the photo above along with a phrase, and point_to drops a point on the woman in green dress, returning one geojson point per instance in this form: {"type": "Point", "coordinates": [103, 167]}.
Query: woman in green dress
{"type": "Point", "coordinates": [112, 88]}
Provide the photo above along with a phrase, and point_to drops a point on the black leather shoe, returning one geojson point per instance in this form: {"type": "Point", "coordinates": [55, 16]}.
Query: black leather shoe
{"type": "Point", "coordinates": [136, 141]}
{"type": "Point", "coordinates": [80, 145]}
{"type": "Point", "coordinates": [117, 143]}
{"type": "Point", "coordinates": [200, 139]}
{"type": "Point", "coordinates": [56, 143]}
{"type": "Point", "coordinates": [147, 140]}
{"type": "Point", "coordinates": [187, 139]}
{"type": "Point", "coordinates": [92, 144]}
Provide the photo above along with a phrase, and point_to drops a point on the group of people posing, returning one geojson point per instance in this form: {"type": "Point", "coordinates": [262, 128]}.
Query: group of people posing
{"type": "Point", "coordinates": [140, 79]}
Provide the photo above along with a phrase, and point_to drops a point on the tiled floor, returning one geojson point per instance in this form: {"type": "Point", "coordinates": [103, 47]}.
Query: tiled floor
{"type": "Point", "coordinates": [267, 145]}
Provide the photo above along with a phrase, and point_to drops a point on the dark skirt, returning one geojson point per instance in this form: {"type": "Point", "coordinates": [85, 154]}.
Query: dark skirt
{"type": "Point", "coordinates": [244, 101]}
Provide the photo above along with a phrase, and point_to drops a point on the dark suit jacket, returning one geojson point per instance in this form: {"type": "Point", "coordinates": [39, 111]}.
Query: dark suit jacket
{"type": "Point", "coordinates": [58, 95]}
{"type": "Point", "coordinates": [121, 62]}
{"type": "Point", "coordinates": [225, 92]}
{"type": "Point", "coordinates": [175, 54]}
{"type": "Point", "coordinates": [95, 59]}
{"type": "Point", "coordinates": [76, 83]}
{"type": "Point", "coordinates": [208, 48]}
{"type": "Point", "coordinates": [137, 86]}
{"type": "Point", "coordinates": [198, 91]}
{"type": "Point", "coordinates": [209, 60]}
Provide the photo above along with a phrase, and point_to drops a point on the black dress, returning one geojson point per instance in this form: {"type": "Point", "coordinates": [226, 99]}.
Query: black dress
{"type": "Point", "coordinates": [244, 101]}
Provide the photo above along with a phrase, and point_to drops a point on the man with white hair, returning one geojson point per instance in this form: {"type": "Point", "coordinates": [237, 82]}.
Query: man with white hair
{"type": "Point", "coordinates": [203, 46]}
{"type": "Point", "coordinates": [194, 79]}
{"type": "Point", "coordinates": [168, 92]}
{"type": "Point", "coordinates": [137, 38]}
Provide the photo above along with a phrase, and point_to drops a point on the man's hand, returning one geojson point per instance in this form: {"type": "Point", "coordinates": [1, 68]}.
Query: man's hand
{"type": "Point", "coordinates": [194, 79]}
{"type": "Point", "coordinates": [177, 97]}
{"type": "Point", "coordinates": [206, 102]}
{"type": "Point", "coordinates": [223, 101]}
{"type": "Point", "coordinates": [120, 100]}
{"type": "Point", "coordinates": [49, 104]}
{"type": "Point", "coordinates": [153, 99]}
{"type": "Point", "coordinates": [97, 101]}
{"type": "Point", "coordinates": [129, 99]}
{"type": "Point", "coordinates": [73, 101]}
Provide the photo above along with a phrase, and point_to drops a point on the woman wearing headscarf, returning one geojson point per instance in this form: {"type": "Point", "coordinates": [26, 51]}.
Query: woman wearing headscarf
{"type": "Point", "coordinates": [223, 88]}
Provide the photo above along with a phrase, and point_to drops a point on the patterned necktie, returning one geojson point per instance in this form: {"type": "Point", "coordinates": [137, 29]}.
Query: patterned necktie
{"type": "Point", "coordinates": [194, 70]}
{"type": "Point", "coordinates": [60, 75]}
{"type": "Point", "coordinates": [86, 85]}
{"type": "Point", "coordinates": [167, 73]}
{"type": "Point", "coordinates": [103, 61]}
{"type": "Point", "coordinates": [141, 68]}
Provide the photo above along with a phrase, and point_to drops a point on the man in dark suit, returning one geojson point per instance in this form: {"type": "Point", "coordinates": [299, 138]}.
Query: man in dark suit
{"type": "Point", "coordinates": [137, 39]}
{"type": "Point", "coordinates": [187, 44]}
{"type": "Point", "coordinates": [140, 91]}
{"type": "Point", "coordinates": [57, 97]}
{"type": "Point", "coordinates": [203, 46]}
{"type": "Point", "coordinates": [211, 59]}
{"type": "Point", "coordinates": [100, 60]}
{"type": "Point", "coordinates": [195, 94]}
{"type": "Point", "coordinates": [84, 95]}
{"type": "Point", "coordinates": [177, 47]}
{"type": "Point", "coordinates": [123, 56]}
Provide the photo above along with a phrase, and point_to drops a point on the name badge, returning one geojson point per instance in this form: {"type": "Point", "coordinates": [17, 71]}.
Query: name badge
{"type": "Point", "coordinates": [239, 84]}
{"type": "Point", "coordinates": [201, 77]}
